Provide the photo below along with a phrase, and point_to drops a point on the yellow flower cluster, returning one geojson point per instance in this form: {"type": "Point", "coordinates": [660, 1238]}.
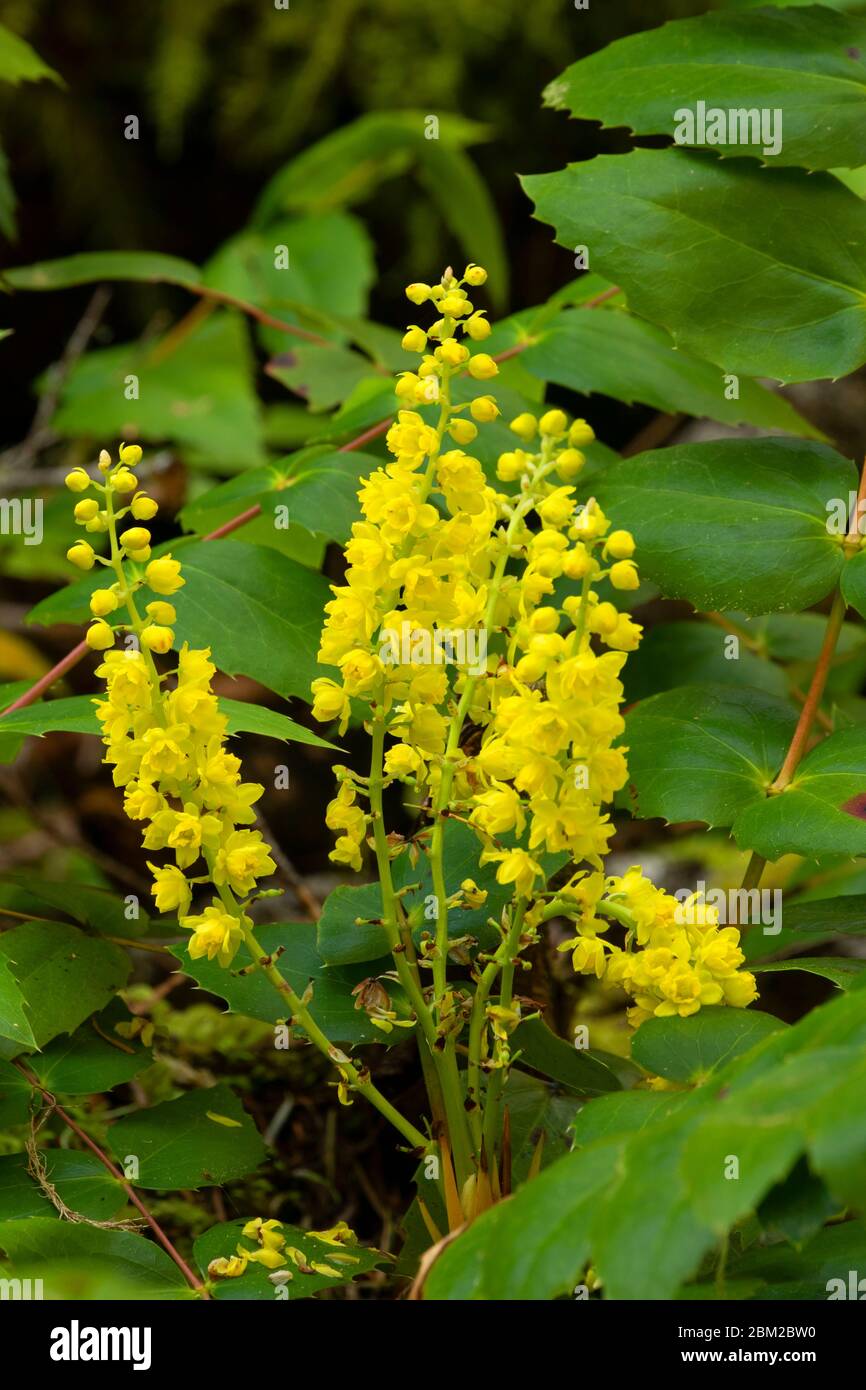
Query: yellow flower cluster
{"type": "Point", "coordinates": [273, 1253]}
{"type": "Point", "coordinates": [467, 605]}
{"type": "Point", "coordinates": [676, 956]}
{"type": "Point", "coordinates": [164, 734]}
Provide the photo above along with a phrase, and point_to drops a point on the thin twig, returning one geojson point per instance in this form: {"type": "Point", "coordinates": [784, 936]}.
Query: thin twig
{"type": "Point", "coordinates": [191, 1278]}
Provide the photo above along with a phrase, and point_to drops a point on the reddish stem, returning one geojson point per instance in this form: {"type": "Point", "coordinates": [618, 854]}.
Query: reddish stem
{"type": "Point", "coordinates": [188, 1274]}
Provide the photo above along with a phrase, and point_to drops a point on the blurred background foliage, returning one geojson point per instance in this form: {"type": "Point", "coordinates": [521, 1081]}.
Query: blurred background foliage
{"type": "Point", "coordinates": [227, 91]}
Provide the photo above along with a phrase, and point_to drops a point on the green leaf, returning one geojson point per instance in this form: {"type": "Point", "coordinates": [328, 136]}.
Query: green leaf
{"type": "Point", "coordinates": [689, 1049]}
{"type": "Point", "coordinates": [578, 1069]}
{"type": "Point", "coordinates": [21, 63]}
{"type": "Point", "coordinates": [332, 1005]}
{"type": "Point", "coordinates": [623, 1113]}
{"type": "Point", "coordinates": [85, 1063]}
{"type": "Point", "coordinates": [534, 1246]}
{"type": "Point", "coordinates": [138, 1267]}
{"type": "Point", "coordinates": [821, 812]}
{"type": "Point", "coordinates": [685, 236]}
{"type": "Point", "coordinates": [200, 395]}
{"type": "Point", "coordinates": [91, 266]}
{"type": "Point", "coordinates": [797, 1207]}
{"type": "Point", "coordinates": [14, 1023]}
{"type": "Point", "coordinates": [806, 64]}
{"type": "Point", "coordinates": [844, 971]}
{"type": "Point", "coordinates": [612, 352]}
{"type": "Point", "coordinates": [699, 753]}
{"type": "Point", "coordinates": [245, 718]}
{"type": "Point", "coordinates": [15, 1095]}
{"type": "Point", "coordinates": [694, 653]}
{"type": "Point", "coordinates": [64, 975]}
{"type": "Point", "coordinates": [343, 941]}
{"type": "Point", "coordinates": [222, 1240]}
{"type": "Point", "coordinates": [319, 492]}
{"type": "Point", "coordinates": [179, 1144]}
{"type": "Point", "coordinates": [271, 611]}
{"type": "Point", "coordinates": [91, 906]}
{"type": "Point", "coordinates": [817, 1272]}
{"type": "Point", "coordinates": [81, 1181]}
{"type": "Point", "coordinates": [809, 924]}
{"type": "Point", "coordinates": [854, 581]}
{"type": "Point", "coordinates": [764, 500]}
{"type": "Point", "coordinates": [75, 714]}
{"type": "Point", "coordinates": [324, 376]}
{"type": "Point", "coordinates": [330, 268]}
{"type": "Point", "coordinates": [345, 167]}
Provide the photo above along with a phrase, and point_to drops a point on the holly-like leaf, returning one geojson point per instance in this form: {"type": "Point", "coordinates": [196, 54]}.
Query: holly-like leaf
{"type": "Point", "coordinates": [700, 753]}
{"type": "Point", "coordinates": [117, 1260]}
{"type": "Point", "coordinates": [270, 609]}
{"type": "Point", "coordinates": [92, 266]}
{"type": "Point", "coordinates": [767, 501]}
{"type": "Point", "coordinates": [344, 1261]}
{"type": "Point", "coordinates": [843, 971]}
{"type": "Point", "coordinates": [804, 64]}
{"type": "Point", "coordinates": [200, 395]}
{"type": "Point", "coordinates": [688, 1049]}
{"type": "Point", "coordinates": [332, 1006]}
{"type": "Point", "coordinates": [79, 1179]}
{"type": "Point", "coordinates": [203, 1139]}
{"type": "Point", "coordinates": [94, 1058]}
{"type": "Point", "coordinates": [618, 355]}
{"type": "Point", "coordinates": [685, 236]}
{"type": "Point", "coordinates": [821, 812]}
{"type": "Point", "coordinates": [64, 976]}
{"type": "Point", "coordinates": [578, 1069]}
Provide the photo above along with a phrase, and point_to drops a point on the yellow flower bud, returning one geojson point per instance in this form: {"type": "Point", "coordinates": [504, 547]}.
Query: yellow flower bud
{"type": "Point", "coordinates": [619, 545]}
{"type": "Point", "coordinates": [405, 388]}
{"type": "Point", "coordinates": [97, 523]}
{"type": "Point", "coordinates": [482, 367]}
{"type": "Point", "coordinates": [163, 575]}
{"type": "Point", "coordinates": [554, 422]}
{"type": "Point", "coordinates": [418, 293]}
{"type": "Point", "coordinates": [130, 454]}
{"type": "Point", "coordinates": [160, 612]}
{"type": "Point", "coordinates": [157, 639]}
{"type": "Point", "coordinates": [81, 554]}
{"type": "Point", "coordinates": [102, 601]}
{"type": "Point", "coordinates": [475, 274]}
{"type": "Point", "coordinates": [524, 426]}
{"type": "Point", "coordinates": [86, 510]}
{"type": "Point", "coordinates": [99, 636]}
{"type": "Point", "coordinates": [462, 431]}
{"type": "Point", "coordinates": [624, 575]}
{"type": "Point", "coordinates": [477, 327]}
{"type": "Point", "coordinates": [140, 557]}
{"type": "Point", "coordinates": [452, 353]}
{"type": "Point", "coordinates": [569, 463]}
{"type": "Point", "coordinates": [124, 481]}
{"type": "Point", "coordinates": [415, 340]}
{"type": "Point", "coordinates": [78, 480]}
{"type": "Point", "coordinates": [455, 305]}
{"type": "Point", "coordinates": [136, 538]}
{"type": "Point", "coordinates": [510, 466]}
{"type": "Point", "coordinates": [143, 508]}
{"type": "Point", "coordinates": [105, 460]}
{"type": "Point", "coordinates": [484, 409]}
{"type": "Point", "coordinates": [580, 434]}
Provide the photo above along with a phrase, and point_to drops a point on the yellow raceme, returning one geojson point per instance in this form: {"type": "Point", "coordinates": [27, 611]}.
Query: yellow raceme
{"type": "Point", "coordinates": [164, 734]}
{"type": "Point", "coordinates": [441, 548]}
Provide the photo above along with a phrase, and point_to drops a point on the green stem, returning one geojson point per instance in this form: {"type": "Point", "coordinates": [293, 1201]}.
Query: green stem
{"type": "Point", "coordinates": [301, 1016]}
